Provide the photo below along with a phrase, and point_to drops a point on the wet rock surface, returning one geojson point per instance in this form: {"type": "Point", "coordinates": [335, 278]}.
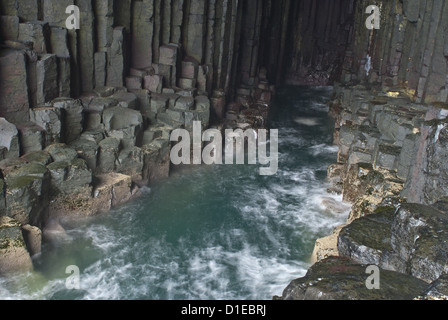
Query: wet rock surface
{"type": "Point", "coordinates": [86, 115]}
{"type": "Point", "coordinates": [342, 279]}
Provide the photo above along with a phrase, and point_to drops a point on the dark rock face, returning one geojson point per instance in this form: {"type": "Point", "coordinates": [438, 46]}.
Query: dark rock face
{"type": "Point", "coordinates": [86, 115]}
{"type": "Point", "coordinates": [390, 126]}
{"type": "Point", "coordinates": [91, 111]}
{"type": "Point", "coordinates": [14, 256]}
{"type": "Point", "coordinates": [342, 279]}
{"type": "Point", "coordinates": [408, 240]}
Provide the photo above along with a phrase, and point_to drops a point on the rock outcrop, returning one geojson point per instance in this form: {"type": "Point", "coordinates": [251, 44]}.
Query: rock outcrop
{"type": "Point", "coordinates": [86, 114]}
{"type": "Point", "coordinates": [14, 256]}
{"type": "Point", "coordinates": [390, 126]}
{"type": "Point", "coordinates": [342, 279]}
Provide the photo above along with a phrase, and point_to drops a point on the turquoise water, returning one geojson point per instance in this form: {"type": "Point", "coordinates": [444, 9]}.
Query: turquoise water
{"type": "Point", "coordinates": [207, 232]}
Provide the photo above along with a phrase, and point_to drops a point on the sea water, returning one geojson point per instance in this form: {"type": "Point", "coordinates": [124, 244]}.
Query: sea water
{"type": "Point", "coordinates": [208, 232]}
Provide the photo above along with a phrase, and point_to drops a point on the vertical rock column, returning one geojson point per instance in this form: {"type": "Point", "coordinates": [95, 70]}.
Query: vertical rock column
{"type": "Point", "coordinates": [142, 33]}
{"type": "Point", "coordinates": [104, 10]}
{"type": "Point", "coordinates": [194, 36]}
{"type": "Point", "coordinates": [53, 12]}
{"type": "Point", "coordinates": [86, 44]}
{"type": "Point", "coordinates": [116, 57]}
{"type": "Point", "coordinates": [14, 101]}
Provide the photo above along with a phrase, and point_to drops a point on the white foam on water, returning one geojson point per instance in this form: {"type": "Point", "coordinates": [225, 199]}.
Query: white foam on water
{"type": "Point", "coordinates": [234, 263]}
{"type": "Point", "coordinates": [323, 149]}
{"type": "Point", "coordinates": [310, 122]}
{"type": "Point", "coordinates": [319, 106]}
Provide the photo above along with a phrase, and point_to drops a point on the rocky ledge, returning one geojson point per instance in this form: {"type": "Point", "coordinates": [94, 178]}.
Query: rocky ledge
{"type": "Point", "coordinates": [86, 115]}
{"type": "Point", "coordinates": [391, 167]}
{"type": "Point", "coordinates": [80, 157]}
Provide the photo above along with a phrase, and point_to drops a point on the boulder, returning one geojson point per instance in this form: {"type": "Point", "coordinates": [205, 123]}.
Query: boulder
{"type": "Point", "coordinates": [338, 278]}
{"type": "Point", "coordinates": [72, 118]}
{"type": "Point", "coordinates": [61, 152]}
{"type": "Point", "coordinates": [108, 154]}
{"type": "Point", "coordinates": [167, 72]}
{"type": "Point", "coordinates": [87, 150]}
{"type": "Point", "coordinates": [14, 256]}
{"type": "Point", "coordinates": [159, 103]}
{"type": "Point", "coordinates": [144, 101]}
{"type": "Point", "coordinates": [105, 91]}
{"type": "Point", "coordinates": [93, 135]}
{"type": "Point", "coordinates": [173, 118]}
{"type": "Point", "coordinates": [408, 240]}
{"type": "Point", "coordinates": [184, 103]}
{"type": "Point", "coordinates": [123, 124]}
{"type": "Point", "coordinates": [48, 118]}
{"type": "Point", "coordinates": [126, 100]}
{"type": "Point", "coordinates": [418, 237]}
{"type": "Point", "coordinates": [118, 118]}
{"type": "Point", "coordinates": [33, 239]}
{"type": "Point", "coordinates": [41, 157]}
{"type": "Point", "coordinates": [31, 137]}
{"type": "Point", "coordinates": [130, 162]}
{"type": "Point", "coordinates": [153, 83]}
{"type": "Point", "coordinates": [367, 240]}
{"type": "Point", "coordinates": [98, 104]}
{"type": "Point", "coordinates": [111, 190]}
{"type": "Point", "coordinates": [9, 138]}
{"type": "Point", "coordinates": [69, 176]}
{"type": "Point", "coordinates": [26, 191]}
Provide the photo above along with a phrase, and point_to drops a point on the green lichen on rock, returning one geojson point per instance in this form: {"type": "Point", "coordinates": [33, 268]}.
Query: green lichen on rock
{"type": "Point", "coordinates": [14, 256]}
{"type": "Point", "coordinates": [10, 234]}
{"type": "Point", "coordinates": [20, 182]}
{"type": "Point", "coordinates": [338, 278]}
{"type": "Point", "coordinates": [32, 169]}
{"type": "Point", "coordinates": [42, 157]}
{"type": "Point", "coordinates": [372, 231]}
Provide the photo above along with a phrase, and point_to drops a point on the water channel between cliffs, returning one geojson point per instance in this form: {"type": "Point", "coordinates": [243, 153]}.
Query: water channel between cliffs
{"type": "Point", "coordinates": [207, 232]}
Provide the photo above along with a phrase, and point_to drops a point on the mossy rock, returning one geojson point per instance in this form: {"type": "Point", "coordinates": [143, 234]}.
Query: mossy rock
{"type": "Point", "coordinates": [337, 278]}
{"type": "Point", "coordinates": [372, 231]}
{"type": "Point", "coordinates": [10, 233]}
{"type": "Point", "coordinates": [58, 165]}
{"type": "Point", "coordinates": [14, 256]}
{"type": "Point", "coordinates": [20, 182]}
{"type": "Point", "coordinates": [61, 152]}
{"type": "Point", "coordinates": [42, 157]}
{"type": "Point", "coordinates": [32, 169]}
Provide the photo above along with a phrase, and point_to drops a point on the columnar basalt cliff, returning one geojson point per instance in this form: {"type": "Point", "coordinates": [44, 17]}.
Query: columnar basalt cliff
{"type": "Point", "coordinates": [86, 116]}
{"type": "Point", "coordinates": [390, 125]}
{"type": "Point", "coordinates": [86, 113]}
